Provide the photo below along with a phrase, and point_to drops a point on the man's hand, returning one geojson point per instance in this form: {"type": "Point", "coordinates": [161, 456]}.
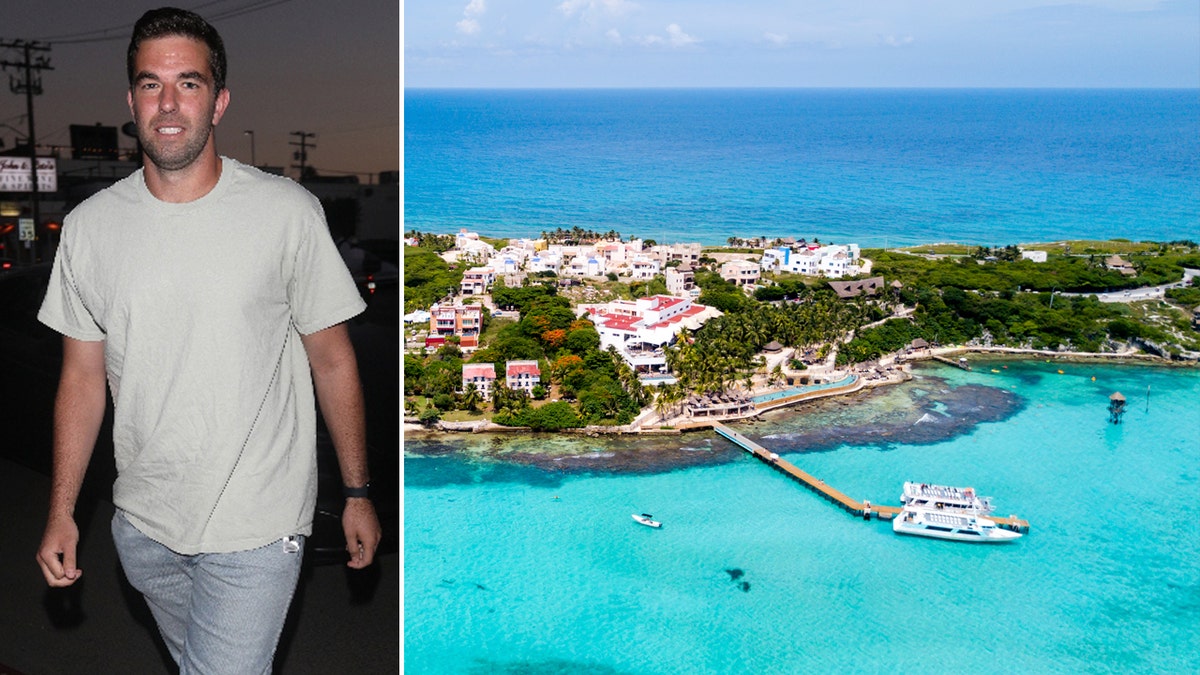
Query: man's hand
{"type": "Point", "coordinates": [60, 539]}
{"type": "Point", "coordinates": [363, 533]}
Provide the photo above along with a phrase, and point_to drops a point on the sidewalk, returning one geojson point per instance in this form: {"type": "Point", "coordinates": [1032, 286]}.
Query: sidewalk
{"type": "Point", "coordinates": [340, 620]}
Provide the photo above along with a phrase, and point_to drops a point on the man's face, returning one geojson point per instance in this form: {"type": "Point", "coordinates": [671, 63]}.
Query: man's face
{"type": "Point", "coordinates": [173, 102]}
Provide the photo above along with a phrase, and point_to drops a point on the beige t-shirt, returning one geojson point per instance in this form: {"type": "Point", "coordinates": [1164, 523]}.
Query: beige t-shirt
{"type": "Point", "coordinates": [200, 307]}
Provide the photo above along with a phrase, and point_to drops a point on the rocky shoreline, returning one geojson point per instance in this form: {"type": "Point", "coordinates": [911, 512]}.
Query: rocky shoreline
{"type": "Point", "coordinates": [890, 370]}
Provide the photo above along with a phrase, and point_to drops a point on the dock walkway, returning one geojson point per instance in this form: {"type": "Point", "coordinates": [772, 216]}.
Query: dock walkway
{"type": "Point", "coordinates": [837, 497]}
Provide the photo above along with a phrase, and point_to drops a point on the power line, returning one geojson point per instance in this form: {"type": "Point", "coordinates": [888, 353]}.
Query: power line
{"type": "Point", "coordinates": [302, 153]}
{"type": "Point", "coordinates": [104, 34]}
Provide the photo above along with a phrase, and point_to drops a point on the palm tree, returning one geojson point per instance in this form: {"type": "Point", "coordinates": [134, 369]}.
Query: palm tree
{"type": "Point", "coordinates": [471, 397]}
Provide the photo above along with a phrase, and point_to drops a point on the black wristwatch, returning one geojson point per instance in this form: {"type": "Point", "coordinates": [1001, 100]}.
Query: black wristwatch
{"type": "Point", "coordinates": [363, 492]}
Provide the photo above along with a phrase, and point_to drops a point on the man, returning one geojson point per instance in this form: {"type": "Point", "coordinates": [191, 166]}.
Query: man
{"type": "Point", "coordinates": [211, 299]}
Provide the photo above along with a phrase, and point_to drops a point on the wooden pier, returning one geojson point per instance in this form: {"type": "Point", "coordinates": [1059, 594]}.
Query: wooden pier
{"type": "Point", "coordinates": [960, 363]}
{"type": "Point", "coordinates": [837, 497]}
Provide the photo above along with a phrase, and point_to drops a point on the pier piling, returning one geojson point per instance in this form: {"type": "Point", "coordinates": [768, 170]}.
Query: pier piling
{"type": "Point", "coordinates": [864, 509]}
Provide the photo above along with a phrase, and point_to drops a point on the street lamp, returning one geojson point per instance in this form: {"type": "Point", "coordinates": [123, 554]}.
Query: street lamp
{"type": "Point", "coordinates": [250, 133]}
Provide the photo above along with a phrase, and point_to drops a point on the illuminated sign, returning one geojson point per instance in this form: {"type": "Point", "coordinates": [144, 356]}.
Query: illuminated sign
{"type": "Point", "coordinates": [14, 174]}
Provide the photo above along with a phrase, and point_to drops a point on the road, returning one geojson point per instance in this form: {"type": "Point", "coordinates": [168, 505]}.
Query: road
{"type": "Point", "coordinates": [1138, 294]}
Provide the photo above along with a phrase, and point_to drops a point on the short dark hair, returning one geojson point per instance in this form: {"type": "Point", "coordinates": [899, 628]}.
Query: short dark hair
{"type": "Point", "coordinates": [168, 21]}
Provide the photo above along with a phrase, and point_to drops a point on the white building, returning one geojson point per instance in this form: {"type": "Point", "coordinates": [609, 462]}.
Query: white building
{"type": "Point", "coordinates": [482, 375]}
{"type": "Point", "coordinates": [644, 268]}
{"type": "Point", "coordinates": [1035, 256]}
{"type": "Point", "coordinates": [680, 280]}
{"type": "Point", "coordinates": [544, 262]}
{"type": "Point", "coordinates": [740, 272]}
{"type": "Point", "coordinates": [477, 280]}
{"type": "Point", "coordinates": [523, 375]}
{"type": "Point", "coordinates": [640, 329]}
{"type": "Point", "coordinates": [830, 261]}
{"type": "Point", "coordinates": [585, 266]}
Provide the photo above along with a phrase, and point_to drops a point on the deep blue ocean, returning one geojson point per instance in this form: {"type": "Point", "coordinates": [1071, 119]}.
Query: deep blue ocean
{"type": "Point", "coordinates": [876, 167]}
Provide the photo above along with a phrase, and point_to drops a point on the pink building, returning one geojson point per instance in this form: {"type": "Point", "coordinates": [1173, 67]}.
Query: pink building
{"type": "Point", "coordinates": [483, 375]}
{"type": "Point", "coordinates": [522, 375]}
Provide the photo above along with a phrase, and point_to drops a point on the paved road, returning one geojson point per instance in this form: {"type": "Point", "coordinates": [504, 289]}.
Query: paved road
{"type": "Point", "coordinates": [341, 621]}
{"type": "Point", "coordinates": [1147, 293]}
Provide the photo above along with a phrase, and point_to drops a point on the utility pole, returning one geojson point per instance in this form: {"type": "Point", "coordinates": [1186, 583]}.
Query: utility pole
{"type": "Point", "coordinates": [301, 155]}
{"type": "Point", "coordinates": [31, 86]}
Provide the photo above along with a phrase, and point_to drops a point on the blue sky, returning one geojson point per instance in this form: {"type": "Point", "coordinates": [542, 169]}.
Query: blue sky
{"type": "Point", "coordinates": [816, 43]}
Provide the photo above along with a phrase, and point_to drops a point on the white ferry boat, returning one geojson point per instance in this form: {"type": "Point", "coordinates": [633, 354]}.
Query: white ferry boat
{"type": "Point", "coordinates": [956, 526]}
{"type": "Point", "coordinates": [945, 497]}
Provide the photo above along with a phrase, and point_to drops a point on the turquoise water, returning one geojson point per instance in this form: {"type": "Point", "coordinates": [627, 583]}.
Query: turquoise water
{"type": "Point", "coordinates": [516, 569]}
{"type": "Point", "coordinates": [795, 391]}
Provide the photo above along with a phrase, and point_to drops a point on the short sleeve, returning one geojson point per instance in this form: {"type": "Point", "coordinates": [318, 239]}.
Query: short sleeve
{"type": "Point", "coordinates": [321, 292]}
{"type": "Point", "coordinates": [63, 308]}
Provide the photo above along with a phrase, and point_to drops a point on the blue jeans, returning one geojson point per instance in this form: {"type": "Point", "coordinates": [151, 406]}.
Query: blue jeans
{"type": "Point", "coordinates": [217, 612]}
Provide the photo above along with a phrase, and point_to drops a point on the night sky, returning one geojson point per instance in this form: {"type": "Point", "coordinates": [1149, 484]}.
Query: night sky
{"type": "Point", "coordinates": [329, 68]}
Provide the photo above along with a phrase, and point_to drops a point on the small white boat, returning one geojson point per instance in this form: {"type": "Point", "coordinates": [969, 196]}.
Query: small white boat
{"type": "Point", "coordinates": [945, 497]}
{"type": "Point", "coordinates": [955, 526]}
{"type": "Point", "coordinates": [646, 519]}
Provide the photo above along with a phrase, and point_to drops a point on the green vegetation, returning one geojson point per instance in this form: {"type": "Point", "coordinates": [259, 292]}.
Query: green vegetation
{"type": "Point", "coordinates": [604, 388]}
{"type": "Point", "coordinates": [427, 278]}
{"type": "Point", "coordinates": [959, 299]}
{"type": "Point", "coordinates": [725, 351]}
{"type": "Point", "coordinates": [1075, 274]}
{"type": "Point", "coordinates": [578, 235]}
{"type": "Point", "coordinates": [959, 295]}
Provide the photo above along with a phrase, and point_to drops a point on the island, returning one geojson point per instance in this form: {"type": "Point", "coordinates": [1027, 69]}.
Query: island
{"type": "Point", "coordinates": [590, 332]}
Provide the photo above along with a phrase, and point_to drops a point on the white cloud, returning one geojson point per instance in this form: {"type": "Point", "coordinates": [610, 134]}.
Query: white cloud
{"type": "Point", "coordinates": [896, 40]}
{"type": "Point", "coordinates": [589, 9]}
{"type": "Point", "coordinates": [775, 39]}
{"type": "Point", "coordinates": [614, 36]}
{"type": "Point", "coordinates": [469, 26]}
{"type": "Point", "coordinates": [679, 38]}
{"type": "Point", "coordinates": [675, 37]}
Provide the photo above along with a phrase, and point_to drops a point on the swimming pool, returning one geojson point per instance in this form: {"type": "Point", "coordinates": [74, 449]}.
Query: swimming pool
{"type": "Point", "coordinates": [808, 388]}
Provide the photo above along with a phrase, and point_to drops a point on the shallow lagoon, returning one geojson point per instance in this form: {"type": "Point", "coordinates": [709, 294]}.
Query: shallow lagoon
{"type": "Point", "coordinates": [520, 555]}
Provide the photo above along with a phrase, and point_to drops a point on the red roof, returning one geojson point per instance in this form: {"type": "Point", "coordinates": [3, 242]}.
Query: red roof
{"type": "Point", "coordinates": [689, 312]}
{"type": "Point", "coordinates": [473, 370]}
{"type": "Point", "coordinates": [619, 322]}
{"type": "Point", "coordinates": [515, 369]}
{"type": "Point", "coordinates": [665, 301]}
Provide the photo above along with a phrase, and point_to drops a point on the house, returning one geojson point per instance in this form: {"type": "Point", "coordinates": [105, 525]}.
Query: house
{"type": "Point", "coordinates": [482, 375]}
{"type": "Point", "coordinates": [688, 254]}
{"type": "Point", "coordinates": [853, 289]}
{"type": "Point", "coordinates": [523, 375]}
{"type": "Point", "coordinates": [477, 280]}
{"type": "Point", "coordinates": [680, 280]}
{"type": "Point", "coordinates": [740, 272]}
{"type": "Point", "coordinates": [585, 266]}
{"type": "Point", "coordinates": [812, 260]}
{"type": "Point", "coordinates": [544, 262]}
{"type": "Point", "coordinates": [1117, 263]}
{"type": "Point", "coordinates": [464, 321]}
{"type": "Point", "coordinates": [1035, 256]}
{"type": "Point", "coordinates": [643, 268]}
